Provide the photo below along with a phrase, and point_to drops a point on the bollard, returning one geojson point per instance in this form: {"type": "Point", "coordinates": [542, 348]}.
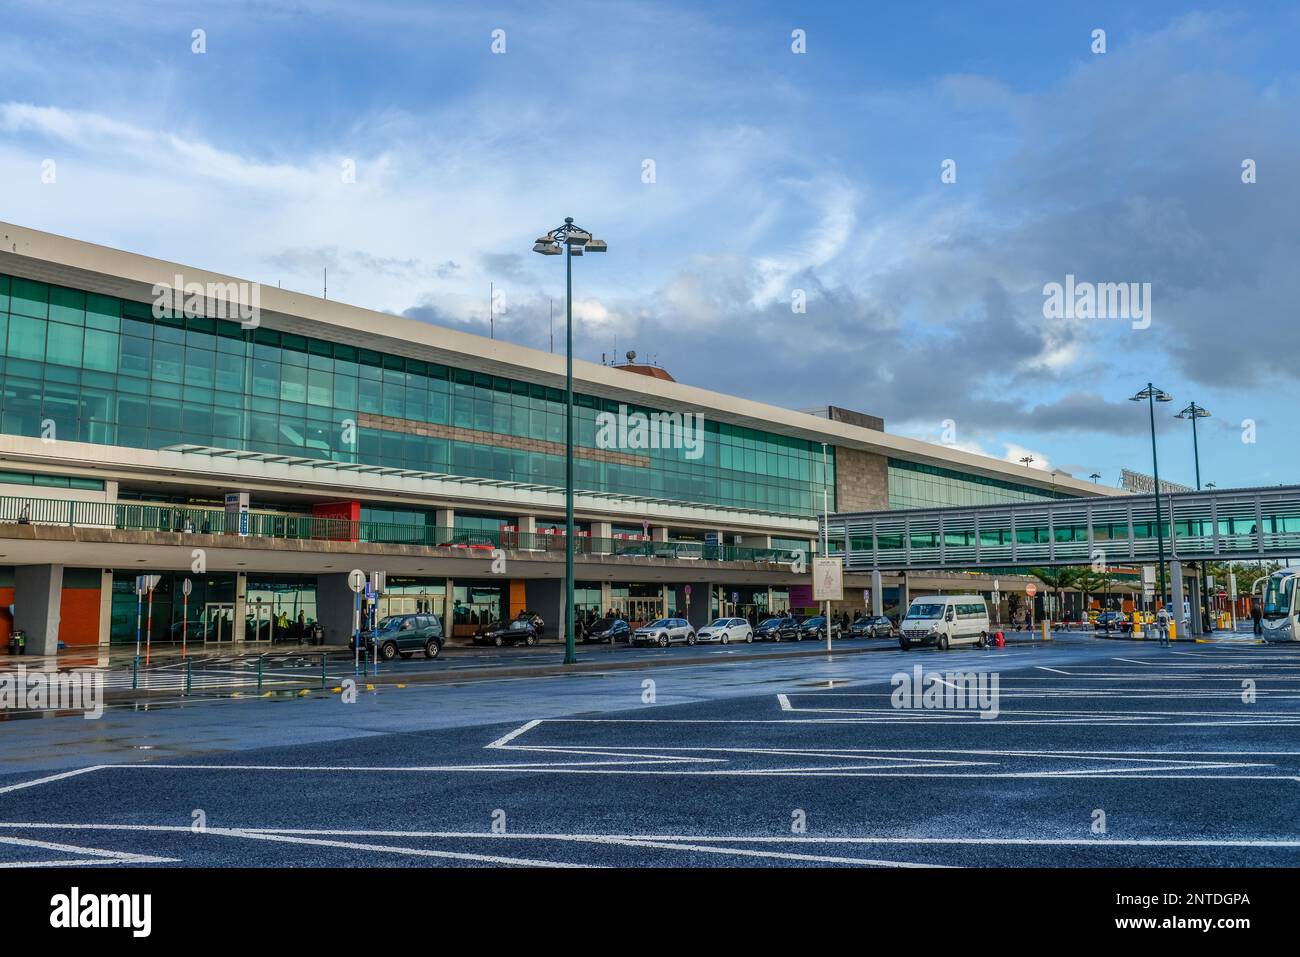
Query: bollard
{"type": "Point", "coordinates": [1173, 630]}
{"type": "Point", "coordinates": [259, 671]}
{"type": "Point", "coordinates": [1046, 633]}
{"type": "Point", "coordinates": [1136, 630]}
{"type": "Point", "coordinates": [135, 667]}
{"type": "Point", "coordinates": [322, 671]}
{"type": "Point", "coordinates": [189, 674]}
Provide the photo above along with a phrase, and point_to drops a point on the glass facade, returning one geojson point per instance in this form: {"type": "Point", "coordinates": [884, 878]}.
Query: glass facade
{"type": "Point", "coordinates": [104, 370]}
{"type": "Point", "coordinates": [914, 485]}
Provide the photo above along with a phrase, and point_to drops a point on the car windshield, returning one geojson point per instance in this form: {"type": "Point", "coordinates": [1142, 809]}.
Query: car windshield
{"type": "Point", "coordinates": [721, 623]}
{"type": "Point", "coordinates": [815, 621]}
{"type": "Point", "coordinates": [604, 624]}
{"type": "Point", "coordinates": [519, 624]}
{"type": "Point", "coordinates": [769, 622]}
{"type": "Point", "coordinates": [391, 624]}
{"type": "Point", "coordinates": [661, 623]}
{"type": "Point", "coordinates": [925, 611]}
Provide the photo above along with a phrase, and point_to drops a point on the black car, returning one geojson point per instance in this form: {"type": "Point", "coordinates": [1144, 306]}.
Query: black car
{"type": "Point", "coordinates": [815, 627]}
{"type": "Point", "coordinates": [872, 627]}
{"type": "Point", "coordinates": [533, 618]}
{"type": "Point", "coordinates": [1115, 620]}
{"type": "Point", "coordinates": [777, 629]}
{"type": "Point", "coordinates": [519, 631]}
{"type": "Point", "coordinates": [607, 629]}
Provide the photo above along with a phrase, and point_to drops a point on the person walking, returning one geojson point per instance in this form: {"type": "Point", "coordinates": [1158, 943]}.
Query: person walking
{"type": "Point", "coordinates": [1257, 617]}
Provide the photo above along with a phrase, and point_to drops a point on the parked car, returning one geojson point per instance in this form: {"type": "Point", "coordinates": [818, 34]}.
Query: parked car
{"type": "Point", "coordinates": [535, 619]}
{"type": "Point", "coordinates": [777, 629]}
{"type": "Point", "coordinates": [405, 635]}
{"type": "Point", "coordinates": [726, 630]}
{"type": "Point", "coordinates": [664, 632]}
{"type": "Point", "coordinates": [1112, 621]}
{"type": "Point", "coordinates": [607, 629]}
{"type": "Point", "coordinates": [872, 627]}
{"type": "Point", "coordinates": [815, 627]}
{"type": "Point", "coordinates": [945, 621]}
{"type": "Point", "coordinates": [518, 631]}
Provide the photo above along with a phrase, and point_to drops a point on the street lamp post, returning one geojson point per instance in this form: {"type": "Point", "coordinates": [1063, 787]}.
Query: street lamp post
{"type": "Point", "coordinates": [572, 241]}
{"type": "Point", "coordinates": [1194, 412]}
{"type": "Point", "coordinates": [1154, 395]}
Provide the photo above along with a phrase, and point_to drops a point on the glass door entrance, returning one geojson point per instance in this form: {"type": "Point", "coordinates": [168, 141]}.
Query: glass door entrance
{"type": "Point", "coordinates": [218, 622]}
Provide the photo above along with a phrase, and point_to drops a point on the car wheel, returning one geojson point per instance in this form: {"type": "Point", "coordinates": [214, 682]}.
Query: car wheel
{"type": "Point", "coordinates": [690, 638]}
{"type": "Point", "coordinates": [663, 640]}
{"type": "Point", "coordinates": [498, 641]}
{"type": "Point", "coordinates": [943, 643]}
{"type": "Point", "coordinates": [431, 648]}
{"type": "Point", "coordinates": [530, 640]}
{"type": "Point", "coordinates": [726, 639]}
{"type": "Point", "coordinates": [904, 644]}
{"type": "Point", "coordinates": [749, 637]}
{"type": "Point", "coordinates": [388, 651]}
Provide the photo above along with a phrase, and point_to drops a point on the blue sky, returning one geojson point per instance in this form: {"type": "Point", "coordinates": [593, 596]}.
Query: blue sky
{"type": "Point", "coordinates": [774, 172]}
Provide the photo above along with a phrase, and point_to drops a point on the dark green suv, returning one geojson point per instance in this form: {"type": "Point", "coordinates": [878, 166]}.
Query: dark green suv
{"type": "Point", "coordinates": [406, 634]}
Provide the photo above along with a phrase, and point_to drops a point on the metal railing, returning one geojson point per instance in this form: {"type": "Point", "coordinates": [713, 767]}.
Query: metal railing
{"type": "Point", "coordinates": [190, 520]}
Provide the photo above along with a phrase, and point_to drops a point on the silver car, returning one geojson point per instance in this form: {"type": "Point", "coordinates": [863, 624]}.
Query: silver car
{"type": "Point", "coordinates": [727, 630]}
{"type": "Point", "coordinates": [664, 632]}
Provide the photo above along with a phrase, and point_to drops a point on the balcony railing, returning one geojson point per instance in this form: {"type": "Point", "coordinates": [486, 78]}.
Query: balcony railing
{"type": "Point", "coordinates": [144, 517]}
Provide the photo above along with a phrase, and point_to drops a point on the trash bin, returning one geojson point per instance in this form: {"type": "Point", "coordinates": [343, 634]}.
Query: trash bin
{"type": "Point", "coordinates": [18, 642]}
{"type": "Point", "coordinates": [317, 634]}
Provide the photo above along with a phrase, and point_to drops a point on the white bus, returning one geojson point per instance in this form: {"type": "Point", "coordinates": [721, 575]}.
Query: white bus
{"type": "Point", "coordinates": [944, 621]}
{"type": "Point", "coordinates": [1281, 617]}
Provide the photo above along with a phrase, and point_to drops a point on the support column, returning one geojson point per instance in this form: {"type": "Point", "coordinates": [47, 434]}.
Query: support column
{"type": "Point", "coordinates": [38, 592]}
{"type": "Point", "coordinates": [448, 604]}
{"type": "Point", "coordinates": [445, 520]}
{"type": "Point", "coordinates": [877, 594]}
{"type": "Point", "coordinates": [601, 533]}
{"type": "Point", "coordinates": [105, 605]}
{"type": "Point", "coordinates": [904, 594]}
{"type": "Point", "coordinates": [659, 533]}
{"type": "Point", "coordinates": [1176, 595]}
{"type": "Point", "coordinates": [334, 607]}
{"type": "Point", "coordinates": [241, 606]}
{"type": "Point", "coordinates": [1198, 625]}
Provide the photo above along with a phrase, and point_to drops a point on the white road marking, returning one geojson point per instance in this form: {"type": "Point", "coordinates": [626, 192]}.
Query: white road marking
{"type": "Point", "coordinates": [105, 856]}
{"type": "Point", "coordinates": [506, 739]}
{"type": "Point", "coordinates": [47, 779]}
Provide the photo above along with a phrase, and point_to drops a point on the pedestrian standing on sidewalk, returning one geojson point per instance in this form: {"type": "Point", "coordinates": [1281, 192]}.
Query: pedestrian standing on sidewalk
{"type": "Point", "coordinates": [1162, 625]}
{"type": "Point", "coordinates": [1257, 616]}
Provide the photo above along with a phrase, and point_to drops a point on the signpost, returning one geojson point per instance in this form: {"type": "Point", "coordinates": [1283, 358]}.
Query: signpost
{"type": "Point", "coordinates": [187, 586]}
{"type": "Point", "coordinates": [687, 590]}
{"type": "Point", "coordinates": [357, 582]}
{"type": "Point", "coordinates": [237, 513]}
{"type": "Point", "coordinates": [828, 586]}
{"type": "Point", "coordinates": [1030, 591]}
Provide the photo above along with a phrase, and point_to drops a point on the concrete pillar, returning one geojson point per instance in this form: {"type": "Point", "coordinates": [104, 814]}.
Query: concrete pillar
{"type": "Point", "coordinates": [659, 533]}
{"type": "Point", "coordinates": [877, 594]}
{"type": "Point", "coordinates": [38, 592]}
{"type": "Point", "coordinates": [448, 603]}
{"type": "Point", "coordinates": [601, 533]}
{"type": "Point", "coordinates": [1198, 625]}
{"type": "Point", "coordinates": [445, 520]}
{"type": "Point", "coordinates": [105, 606]}
{"type": "Point", "coordinates": [545, 596]}
{"type": "Point", "coordinates": [1176, 594]}
{"type": "Point", "coordinates": [904, 594]}
{"type": "Point", "coordinates": [700, 611]}
{"type": "Point", "coordinates": [334, 607]}
{"type": "Point", "coordinates": [241, 606]}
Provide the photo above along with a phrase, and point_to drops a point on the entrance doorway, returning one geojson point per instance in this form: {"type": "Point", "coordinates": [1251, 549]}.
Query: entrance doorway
{"type": "Point", "coordinates": [218, 622]}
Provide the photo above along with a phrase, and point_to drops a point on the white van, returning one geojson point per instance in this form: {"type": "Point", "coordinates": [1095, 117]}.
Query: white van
{"type": "Point", "coordinates": [945, 620]}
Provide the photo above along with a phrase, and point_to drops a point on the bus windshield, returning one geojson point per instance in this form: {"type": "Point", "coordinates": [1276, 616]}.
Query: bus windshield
{"type": "Point", "coordinates": [1277, 597]}
{"type": "Point", "coordinates": [925, 611]}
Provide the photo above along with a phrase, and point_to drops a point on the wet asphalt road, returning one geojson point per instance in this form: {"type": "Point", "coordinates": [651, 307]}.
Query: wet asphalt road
{"type": "Point", "coordinates": [1101, 752]}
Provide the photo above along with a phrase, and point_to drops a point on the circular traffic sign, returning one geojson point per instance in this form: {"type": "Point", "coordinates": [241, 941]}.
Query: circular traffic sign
{"type": "Point", "coordinates": [187, 586]}
{"type": "Point", "coordinates": [1031, 590]}
{"type": "Point", "coordinates": [357, 580]}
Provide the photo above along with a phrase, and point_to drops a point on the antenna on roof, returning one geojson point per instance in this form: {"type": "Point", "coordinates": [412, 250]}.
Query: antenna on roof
{"type": "Point", "coordinates": [325, 293]}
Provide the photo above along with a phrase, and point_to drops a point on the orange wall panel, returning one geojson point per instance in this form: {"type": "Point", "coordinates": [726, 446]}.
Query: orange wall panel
{"type": "Point", "coordinates": [79, 617]}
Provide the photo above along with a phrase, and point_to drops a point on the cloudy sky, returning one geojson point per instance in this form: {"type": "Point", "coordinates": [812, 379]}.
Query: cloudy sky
{"type": "Point", "coordinates": [775, 173]}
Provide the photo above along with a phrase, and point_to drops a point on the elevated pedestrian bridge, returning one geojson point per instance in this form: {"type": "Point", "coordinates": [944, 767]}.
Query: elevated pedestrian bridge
{"type": "Point", "coordinates": [1227, 524]}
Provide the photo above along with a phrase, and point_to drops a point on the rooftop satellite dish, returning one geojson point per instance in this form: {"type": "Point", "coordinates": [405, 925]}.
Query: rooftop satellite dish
{"type": "Point", "coordinates": [631, 356]}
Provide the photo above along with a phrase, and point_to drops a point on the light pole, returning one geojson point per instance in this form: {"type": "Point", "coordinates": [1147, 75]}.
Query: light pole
{"type": "Point", "coordinates": [572, 241]}
{"type": "Point", "coordinates": [1096, 477]}
{"type": "Point", "coordinates": [1027, 460]}
{"type": "Point", "coordinates": [1194, 412]}
{"type": "Point", "coordinates": [1154, 395]}
{"type": "Point", "coordinates": [826, 537]}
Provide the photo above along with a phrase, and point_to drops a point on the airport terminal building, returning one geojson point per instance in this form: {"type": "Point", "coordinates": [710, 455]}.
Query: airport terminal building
{"type": "Point", "coordinates": [261, 443]}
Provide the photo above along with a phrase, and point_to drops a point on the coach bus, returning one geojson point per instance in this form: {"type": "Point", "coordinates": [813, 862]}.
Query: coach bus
{"type": "Point", "coordinates": [1280, 620]}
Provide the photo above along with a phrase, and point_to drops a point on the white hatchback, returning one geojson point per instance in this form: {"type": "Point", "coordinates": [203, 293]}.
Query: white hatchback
{"type": "Point", "coordinates": [727, 630]}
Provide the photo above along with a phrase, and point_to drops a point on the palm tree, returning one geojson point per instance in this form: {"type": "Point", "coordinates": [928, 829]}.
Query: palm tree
{"type": "Point", "coordinates": [1057, 579]}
